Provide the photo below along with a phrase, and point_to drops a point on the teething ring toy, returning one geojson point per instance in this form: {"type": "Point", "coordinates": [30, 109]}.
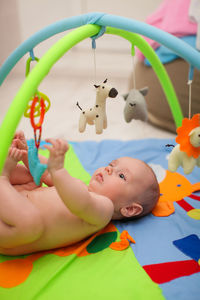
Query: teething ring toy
{"type": "Point", "coordinates": [41, 112]}
{"type": "Point", "coordinates": [37, 126]}
{"type": "Point", "coordinates": [37, 139]}
{"type": "Point", "coordinates": [37, 105]}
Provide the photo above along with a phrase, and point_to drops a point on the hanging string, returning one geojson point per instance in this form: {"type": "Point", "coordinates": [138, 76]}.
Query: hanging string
{"type": "Point", "coordinates": [99, 34]}
{"type": "Point", "coordinates": [190, 79]}
{"type": "Point", "coordinates": [190, 99]}
{"type": "Point", "coordinates": [134, 77]}
{"type": "Point", "coordinates": [95, 65]}
{"type": "Point", "coordinates": [133, 58]}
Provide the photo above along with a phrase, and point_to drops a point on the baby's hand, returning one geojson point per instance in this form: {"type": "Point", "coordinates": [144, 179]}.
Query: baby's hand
{"type": "Point", "coordinates": [57, 153]}
{"type": "Point", "coordinates": [15, 153]}
{"type": "Point", "coordinates": [19, 141]}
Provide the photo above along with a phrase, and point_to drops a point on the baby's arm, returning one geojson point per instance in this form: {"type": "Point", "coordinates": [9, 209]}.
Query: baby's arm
{"type": "Point", "coordinates": [94, 209]}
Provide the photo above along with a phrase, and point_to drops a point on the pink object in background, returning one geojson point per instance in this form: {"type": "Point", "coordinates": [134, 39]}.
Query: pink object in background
{"type": "Point", "coordinates": [171, 16]}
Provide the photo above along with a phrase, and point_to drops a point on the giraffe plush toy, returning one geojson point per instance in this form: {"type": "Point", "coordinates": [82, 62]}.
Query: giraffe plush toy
{"type": "Point", "coordinates": [97, 115]}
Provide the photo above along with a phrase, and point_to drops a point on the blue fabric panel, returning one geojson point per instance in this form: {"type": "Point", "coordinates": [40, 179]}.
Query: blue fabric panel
{"type": "Point", "coordinates": [97, 154]}
{"type": "Point", "coordinates": [190, 245]}
{"type": "Point", "coordinates": [184, 288]}
{"type": "Point", "coordinates": [166, 55]}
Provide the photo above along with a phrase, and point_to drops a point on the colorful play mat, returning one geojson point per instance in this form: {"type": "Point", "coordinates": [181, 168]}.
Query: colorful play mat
{"type": "Point", "coordinates": [155, 257]}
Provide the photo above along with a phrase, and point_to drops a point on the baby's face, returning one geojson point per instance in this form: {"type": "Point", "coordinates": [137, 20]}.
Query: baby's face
{"type": "Point", "coordinates": [119, 181]}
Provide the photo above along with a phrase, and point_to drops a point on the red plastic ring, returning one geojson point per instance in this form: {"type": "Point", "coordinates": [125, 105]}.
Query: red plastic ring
{"type": "Point", "coordinates": [42, 112]}
{"type": "Point", "coordinates": [37, 140]}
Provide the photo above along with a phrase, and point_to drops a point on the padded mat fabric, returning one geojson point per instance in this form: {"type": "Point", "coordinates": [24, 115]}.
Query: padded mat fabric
{"type": "Point", "coordinates": [91, 269]}
{"type": "Point", "coordinates": [176, 272]}
{"type": "Point", "coordinates": [162, 261]}
{"type": "Point", "coordinates": [84, 271]}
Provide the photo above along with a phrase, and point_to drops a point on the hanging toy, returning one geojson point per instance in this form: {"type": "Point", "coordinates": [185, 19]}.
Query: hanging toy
{"type": "Point", "coordinates": [135, 107]}
{"type": "Point", "coordinates": [38, 106]}
{"type": "Point", "coordinates": [97, 115]}
{"type": "Point", "coordinates": [187, 153]}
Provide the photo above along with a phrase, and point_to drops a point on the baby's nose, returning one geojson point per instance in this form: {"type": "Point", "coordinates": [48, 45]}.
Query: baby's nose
{"type": "Point", "coordinates": [109, 170]}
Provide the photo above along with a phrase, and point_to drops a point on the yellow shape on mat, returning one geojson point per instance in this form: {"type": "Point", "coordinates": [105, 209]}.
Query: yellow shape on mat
{"type": "Point", "coordinates": [194, 214]}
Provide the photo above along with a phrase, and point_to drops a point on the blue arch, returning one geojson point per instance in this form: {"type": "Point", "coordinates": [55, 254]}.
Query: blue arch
{"type": "Point", "coordinates": [182, 49]}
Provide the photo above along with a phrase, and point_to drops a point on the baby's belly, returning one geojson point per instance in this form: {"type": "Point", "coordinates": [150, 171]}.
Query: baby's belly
{"type": "Point", "coordinates": [61, 227]}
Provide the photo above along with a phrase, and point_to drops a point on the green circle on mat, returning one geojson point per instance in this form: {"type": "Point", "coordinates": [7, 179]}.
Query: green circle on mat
{"type": "Point", "coordinates": [101, 242]}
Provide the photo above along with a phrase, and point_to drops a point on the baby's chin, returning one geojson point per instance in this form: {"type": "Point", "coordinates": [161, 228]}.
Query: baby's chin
{"type": "Point", "coordinates": [90, 189]}
{"type": "Point", "coordinates": [92, 186]}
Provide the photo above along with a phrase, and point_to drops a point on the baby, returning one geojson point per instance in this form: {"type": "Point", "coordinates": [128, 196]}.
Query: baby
{"type": "Point", "coordinates": [36, 218]}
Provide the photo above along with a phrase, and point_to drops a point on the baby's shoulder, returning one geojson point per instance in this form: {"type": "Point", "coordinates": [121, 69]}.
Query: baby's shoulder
{"type": "Point", "coordinates": [103, 201]}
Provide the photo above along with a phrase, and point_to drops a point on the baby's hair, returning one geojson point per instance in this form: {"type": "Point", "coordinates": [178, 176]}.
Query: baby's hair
{"type": "Point", "coordinates": [151, 195]}
{"type": "Point", "coordinates": [148, 198]}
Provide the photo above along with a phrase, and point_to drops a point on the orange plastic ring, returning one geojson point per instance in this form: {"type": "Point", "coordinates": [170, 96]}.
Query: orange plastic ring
{"type": "Point", "coordinates": [42, 112]}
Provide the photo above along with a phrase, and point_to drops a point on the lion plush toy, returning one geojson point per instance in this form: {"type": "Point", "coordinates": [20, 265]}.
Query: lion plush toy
{"type": "Point", "coordinates": [187, 153]}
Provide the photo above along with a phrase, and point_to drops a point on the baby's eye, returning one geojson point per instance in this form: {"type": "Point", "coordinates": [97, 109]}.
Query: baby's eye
{"type": "Point", "coordinates": [121, 175]}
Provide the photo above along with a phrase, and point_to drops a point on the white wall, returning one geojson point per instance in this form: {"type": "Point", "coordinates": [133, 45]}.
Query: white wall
{"type": "Point", "coordinates": [45, 12]}
{"type": "Point", "coordinates": [10, 35]}
{"type": "Point", "coordinates": [22, 18]}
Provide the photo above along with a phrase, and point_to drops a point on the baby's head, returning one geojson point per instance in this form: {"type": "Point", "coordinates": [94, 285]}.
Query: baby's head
{"type": "Point", "coordinates": [130, 184]}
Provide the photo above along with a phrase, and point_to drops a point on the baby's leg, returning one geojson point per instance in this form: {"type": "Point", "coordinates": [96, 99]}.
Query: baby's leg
{"type": "Point", "coordinates": [20, 175]}
{"type": "Point", "coordinates": [20, 220]}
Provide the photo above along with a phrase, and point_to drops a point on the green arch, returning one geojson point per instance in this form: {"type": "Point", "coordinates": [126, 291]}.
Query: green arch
{"type": "Point", "coordinates": [41, 69]}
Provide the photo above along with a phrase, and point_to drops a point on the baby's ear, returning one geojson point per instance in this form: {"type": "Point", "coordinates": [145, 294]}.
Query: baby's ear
{"type": "Point", "coordinates": [134, 209]}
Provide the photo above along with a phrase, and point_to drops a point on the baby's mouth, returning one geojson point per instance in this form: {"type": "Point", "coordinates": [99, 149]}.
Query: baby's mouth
{"type": "Point", "coordinates": [99, 177]}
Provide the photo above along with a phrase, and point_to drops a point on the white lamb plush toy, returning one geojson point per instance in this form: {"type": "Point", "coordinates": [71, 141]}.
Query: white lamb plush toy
{"type": "Point", "coordinates": [97, 115]}
{"type": "Point", "coordinates": [187, 154]}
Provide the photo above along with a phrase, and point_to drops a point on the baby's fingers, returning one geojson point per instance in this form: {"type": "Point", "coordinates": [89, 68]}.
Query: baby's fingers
{"type": "Point", "coordinates": [21, 145]}
{"type": "Point", "coordinates": [66, 146]}
{"type": "Point", "coordinates": [48, 147]}
{"type": "Point", "coordinates": [14, 144]}
{"type": "Point", "coordinates": [16, 136]}
{"type": "Point", "coordinates": [58, 144]}
{"type": "Point", "coordinates": [51, 146]}
{"type": "Point", "coordinates": [16, 153]}
{"type": "Point", "coordinates": [63, 145]}
{"type": "Point", "coordinates": [51, 141]}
